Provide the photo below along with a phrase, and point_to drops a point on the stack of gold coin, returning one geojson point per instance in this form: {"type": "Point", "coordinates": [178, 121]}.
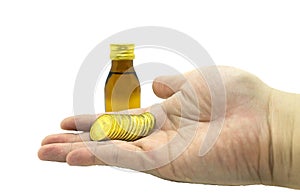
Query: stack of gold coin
{"type": "Point", "coordinates": [127, 127]}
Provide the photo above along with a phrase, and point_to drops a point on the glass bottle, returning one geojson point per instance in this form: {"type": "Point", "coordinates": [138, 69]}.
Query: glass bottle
{"type": "Point", "coordinates": [122, 87]}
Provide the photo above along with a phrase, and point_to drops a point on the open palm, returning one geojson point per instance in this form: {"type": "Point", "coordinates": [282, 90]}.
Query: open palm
{"type": "Point", "coordinates": [201, 136]}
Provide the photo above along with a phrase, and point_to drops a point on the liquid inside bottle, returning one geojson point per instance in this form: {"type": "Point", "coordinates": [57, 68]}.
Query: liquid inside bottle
{"type": "Point", "coordinates": [122, 87]}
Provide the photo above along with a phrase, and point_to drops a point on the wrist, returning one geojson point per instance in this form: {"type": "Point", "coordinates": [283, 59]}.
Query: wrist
{"type": "Point", "coordinates": [284, 113]}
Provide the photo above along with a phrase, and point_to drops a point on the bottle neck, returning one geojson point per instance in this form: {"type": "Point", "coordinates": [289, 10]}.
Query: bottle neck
{"type": "Point", "coordinates": [121, 66]}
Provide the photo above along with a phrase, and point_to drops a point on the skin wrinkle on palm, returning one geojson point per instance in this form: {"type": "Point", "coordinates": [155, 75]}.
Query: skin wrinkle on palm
{"type": "Point", "coordinates": [256, 115]}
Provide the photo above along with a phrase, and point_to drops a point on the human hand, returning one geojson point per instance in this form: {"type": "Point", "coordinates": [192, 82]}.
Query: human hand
{"type": "Point", "coordinates": [241, 154]}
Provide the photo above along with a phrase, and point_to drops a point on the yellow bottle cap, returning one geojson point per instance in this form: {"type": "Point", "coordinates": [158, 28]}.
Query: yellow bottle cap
{"type": "Point", "coordinates": [121, 51]}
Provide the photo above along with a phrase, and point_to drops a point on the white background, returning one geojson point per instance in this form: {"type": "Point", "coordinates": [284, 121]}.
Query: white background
{"type": "Point", "coordinates": [42, 46]}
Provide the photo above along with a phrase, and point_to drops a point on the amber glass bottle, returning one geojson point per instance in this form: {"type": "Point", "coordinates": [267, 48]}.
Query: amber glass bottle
{"type": "Point", "coordinates": [122, 87]}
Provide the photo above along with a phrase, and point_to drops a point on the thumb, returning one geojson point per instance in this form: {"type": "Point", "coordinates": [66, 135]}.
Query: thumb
{"type": "Point", "coordinates": [166, 86]}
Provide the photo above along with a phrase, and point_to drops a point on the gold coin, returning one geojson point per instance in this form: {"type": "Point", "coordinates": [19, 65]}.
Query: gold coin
{"type": "Point", "coordinates": [115, 128]}
{"type": "Point", "coordinates": [143, 121]}
{"type": "Point", "coordinates": [139, 126]}
{"type": "Point", "coordinates": [101, 127]}
{"type": "Point", "coordinates": [130, 129]}
{"type": "Point", "coordinates": [146, 125]}
{"type": "Point", "coordinates": [144, 128]}
{"type": "Point", "coordinates": [129, 126]}
{"type": "Point", "coordinates": [136, 127]}
{"type": "Point", "coordinates": [122, 126]}
{"type": "Point", "coordinates": [151, 121]}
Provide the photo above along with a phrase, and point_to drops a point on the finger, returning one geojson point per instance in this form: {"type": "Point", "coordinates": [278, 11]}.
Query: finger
{"type": "Point", "coordinates": [84, 122]}
{"type": "Point", "coordinates": [192, 101]}
{"type": "Point", "coordinates": [59, 151]}
{"type": "Point", "coordinates": [125, 155]}
{"type": "Point", "coordinates": [79, 122]}
{"type": "Point", "coordinates": [87, 156]}
{"type": "Point", "coordinates": [66, 138]}
{"type": "Point", "coordinates": [91, 155]}
{"type": "Point", "coordinates": [166, 86]}
{"type": "Point", "coordinates": [83, 157]}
